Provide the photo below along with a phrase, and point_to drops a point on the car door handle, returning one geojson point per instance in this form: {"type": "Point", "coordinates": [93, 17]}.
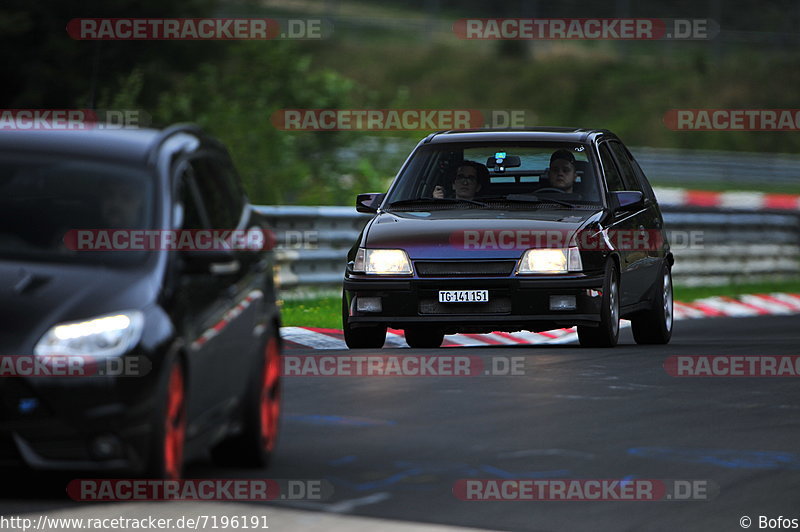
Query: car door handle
{"type": "Point", "coordinates": [225, 268]}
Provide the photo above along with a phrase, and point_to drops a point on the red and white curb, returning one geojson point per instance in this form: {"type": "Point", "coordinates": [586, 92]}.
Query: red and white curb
{"type": "Point", "coordinates": [683, 197]}
{"type": "Point", "coordinates": [711, 307]}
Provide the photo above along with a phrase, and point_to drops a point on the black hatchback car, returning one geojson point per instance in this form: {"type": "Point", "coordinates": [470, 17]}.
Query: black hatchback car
{"type": "Point", "coordinates": [200, 322]}
{"type": "Point", "coordinates": [487, 230]}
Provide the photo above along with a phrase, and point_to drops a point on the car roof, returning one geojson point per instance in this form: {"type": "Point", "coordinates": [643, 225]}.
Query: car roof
{"type": "Point", "coordinates": [551, 134]}
{"type": "Point", "coordinates": [127, 145]}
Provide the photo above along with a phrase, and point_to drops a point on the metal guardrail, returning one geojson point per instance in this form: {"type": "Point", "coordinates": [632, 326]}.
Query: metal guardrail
{"type": "Point", "coordinates": [710, 166]}
{"type": "Point", "coordinates": [734, 246]}
{"type": "Point", "coordinates": [711, 247]}
{"type": "Point", "coordinates": [312, 243]}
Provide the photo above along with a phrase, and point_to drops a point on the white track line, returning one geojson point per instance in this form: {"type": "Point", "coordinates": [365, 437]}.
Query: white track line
{"type": "Point", "coordinates": [302, 336]}
{"type": "Point", "coordinates": [748, 305]}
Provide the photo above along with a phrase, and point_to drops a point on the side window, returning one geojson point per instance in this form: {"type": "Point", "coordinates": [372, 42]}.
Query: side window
{"type": "Point", "coordinates": [192, 214]}
{"type": "Point", "coordinates": [648, 190]}
{"type": "Point", "coordinates": [230, 181]}
{"type": "Point", "coordinates": [216, 185]}
{"type": "Point", "coordinates": [628, 177]}
{"type": "Point", "coordinates": [612, 175]}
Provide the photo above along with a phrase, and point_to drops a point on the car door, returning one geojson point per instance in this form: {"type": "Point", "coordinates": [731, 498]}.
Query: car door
{"type": "Point", "coordinates": [647, 227]}
{"type": "Point", "coordinates": [623, 222]}
{"type": "Point", "coordinates": [659, 238]}
{"type": "Point", "coordinates": [201, 302]}
{"type": "Point", "coordinates": [242, 283]}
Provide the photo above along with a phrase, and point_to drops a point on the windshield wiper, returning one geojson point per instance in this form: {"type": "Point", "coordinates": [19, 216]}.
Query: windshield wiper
{"type": "Point", "coordinates": [435, 200]}
{"type": "Point", "coordinates": [526, 198]}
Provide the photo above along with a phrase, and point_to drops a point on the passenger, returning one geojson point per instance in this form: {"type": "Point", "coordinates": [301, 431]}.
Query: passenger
{"type": "Point", "coordinates": [121, 205]}
{"type": "Point", "coordinates": [470, 178]}
{"type": "Point", "coordinates": [561, 172]}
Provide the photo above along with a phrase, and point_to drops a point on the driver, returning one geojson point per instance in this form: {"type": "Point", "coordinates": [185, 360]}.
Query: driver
{"type": "Point", "coordinates": [561, 172]}
{"type": "Point", "coordinates": [121, 205]}
{"type": "Point", "coordinates": [470, 178]}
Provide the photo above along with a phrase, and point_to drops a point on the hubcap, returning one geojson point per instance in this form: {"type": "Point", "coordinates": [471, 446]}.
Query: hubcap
{"type": "Point", "coordinates": [269, 406]}
{"type": "Point", "coordinates": [668, 301]}
{"type": "Point", "coordinates": [175, 432]}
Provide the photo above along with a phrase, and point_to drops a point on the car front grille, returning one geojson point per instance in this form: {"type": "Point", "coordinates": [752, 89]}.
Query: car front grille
{"type": "Point", "coordinates": [475, 268]}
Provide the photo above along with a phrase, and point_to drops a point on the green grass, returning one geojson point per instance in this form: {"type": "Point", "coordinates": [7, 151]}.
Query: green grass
{"type": "Point", "coordinates": [326, 312]}
{"type": "Point", "coordinates": [323, 312]}
{"type": "Point", "coordinates": [686, 294]}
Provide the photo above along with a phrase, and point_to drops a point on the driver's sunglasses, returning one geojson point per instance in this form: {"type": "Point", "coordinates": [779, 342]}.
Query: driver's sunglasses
{"type": "Point", "coordinates": [467, 177]}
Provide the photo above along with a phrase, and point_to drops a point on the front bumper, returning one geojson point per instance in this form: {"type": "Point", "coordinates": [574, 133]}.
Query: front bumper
{"type": "Point", "coordinates": [98, 423]}
{"type": "Point", "coordinates": [515, 303]}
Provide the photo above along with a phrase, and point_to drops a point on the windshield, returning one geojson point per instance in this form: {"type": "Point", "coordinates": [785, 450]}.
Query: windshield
{"type": "Point", "coordinates": [497, 176]}
{"type": "Point", "coordinates": [43, 198]}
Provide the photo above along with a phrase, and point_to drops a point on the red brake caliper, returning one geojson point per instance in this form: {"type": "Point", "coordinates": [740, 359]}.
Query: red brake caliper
{"type": "Point", "coordinates": [270, 398]}
{"type": "Point", "coordinates": [175, 424]}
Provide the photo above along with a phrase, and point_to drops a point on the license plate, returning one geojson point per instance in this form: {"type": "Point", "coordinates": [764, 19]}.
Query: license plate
{"type": "Point", "coordinates": [463, 296]}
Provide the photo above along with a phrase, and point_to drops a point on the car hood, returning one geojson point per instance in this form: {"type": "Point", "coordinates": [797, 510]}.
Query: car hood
{"type": "Point", "coordinates": [473, 234]}
{"type": "Point", "coordinates": [36, 296]}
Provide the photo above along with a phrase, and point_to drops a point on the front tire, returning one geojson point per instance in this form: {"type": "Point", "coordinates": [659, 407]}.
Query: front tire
{"type": "Point", "coordinates": [369, 337]}
{"type": "Point", "coordinates": [606, 334]}
{"type": "Point", "coordinates": [169, 437]}
{"type": "Point", "coordinates": [654, 326]}
{"type": "Point", "coordinates": [420, 338]}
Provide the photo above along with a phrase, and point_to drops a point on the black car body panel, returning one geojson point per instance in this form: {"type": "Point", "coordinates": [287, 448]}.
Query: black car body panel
{"type": "Point", "coordinates": [516, 301]}
{"type": "Point", "coordinates": [56, 422]}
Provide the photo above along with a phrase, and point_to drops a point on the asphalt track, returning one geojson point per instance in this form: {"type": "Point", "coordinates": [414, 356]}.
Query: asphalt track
{"type": "Point", "coordinates": [393, 447]}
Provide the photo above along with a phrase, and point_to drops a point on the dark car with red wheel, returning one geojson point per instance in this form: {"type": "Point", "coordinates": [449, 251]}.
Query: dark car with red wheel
{"type": "Point", "coordinates": [488, 230]}
{"type": "Point", "coordinates": [119, 259]}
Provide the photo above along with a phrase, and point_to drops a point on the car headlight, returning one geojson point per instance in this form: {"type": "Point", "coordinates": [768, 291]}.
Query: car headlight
{"type": "Point", "coordinates": [382, 262]}
{"type": "Point", "coordinates": [550, 261]}
{"type": "Point", "coordinates": [103, 336]}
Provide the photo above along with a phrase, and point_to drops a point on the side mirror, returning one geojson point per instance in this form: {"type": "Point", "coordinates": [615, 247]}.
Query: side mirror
{"type": "Point", "coordinates": [626, 199]}
{"type": "Point", "coordinates": [369, 203]}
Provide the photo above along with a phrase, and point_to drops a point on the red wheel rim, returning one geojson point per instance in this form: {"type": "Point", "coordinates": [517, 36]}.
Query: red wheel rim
{"type": "Point", "coordinates": [175, 430]}
{"type": "Point", "coordinates": [270, 405]}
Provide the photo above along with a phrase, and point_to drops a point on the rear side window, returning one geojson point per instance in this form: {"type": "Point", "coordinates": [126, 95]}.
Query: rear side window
{"type": "Point", "coordinates": [217, 186]}
{"type": "Point", "coordinates": [192, 212]}
{"type": "Point", "coordinates": [613, 180]}
{"type": "Point", "coordinates": [623, 163]}
{"type": "Point", "coordinates": [648, 190]}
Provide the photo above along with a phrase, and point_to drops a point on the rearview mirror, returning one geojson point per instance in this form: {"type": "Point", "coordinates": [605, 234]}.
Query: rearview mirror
{"type": "Point", "coordinates": [369, 202]}
{"type": "Point", "coordinates": [501, 163]}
